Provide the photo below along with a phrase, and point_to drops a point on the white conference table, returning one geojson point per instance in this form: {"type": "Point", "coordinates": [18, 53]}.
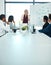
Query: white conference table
{"type": "Point", "coordinates": [25, 49]}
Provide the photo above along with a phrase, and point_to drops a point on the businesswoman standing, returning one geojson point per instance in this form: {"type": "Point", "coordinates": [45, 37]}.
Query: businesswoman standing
{"type": "Point", "coordinates": [25, 18]}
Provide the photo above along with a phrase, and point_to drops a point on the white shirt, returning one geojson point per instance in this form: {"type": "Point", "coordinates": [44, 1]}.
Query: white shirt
{"type": "Point", "coordinates": [11, 25]}
{"type": "Point", "coordinates": [2, 27]}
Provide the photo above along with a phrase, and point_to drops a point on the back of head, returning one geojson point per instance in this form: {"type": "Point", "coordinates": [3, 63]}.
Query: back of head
{"type": "Point", "coordinates": [11, 18]}
{"type": "Point", "coordinates": [50, 16]}
{"type": "Point", "coordinates": [0, 17]}
{"type": "Point", "coordinates": [45, 18]}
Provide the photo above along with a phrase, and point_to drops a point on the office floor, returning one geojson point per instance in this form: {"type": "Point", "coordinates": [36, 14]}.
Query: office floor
{"type": "Point", "coordinates": [25, 49]}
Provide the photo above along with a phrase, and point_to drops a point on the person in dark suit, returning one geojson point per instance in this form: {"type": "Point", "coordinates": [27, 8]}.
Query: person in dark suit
{"type": "Point", "coordinates": [47, 30]}
{"type": "Point", "coordinates": [45, 19]}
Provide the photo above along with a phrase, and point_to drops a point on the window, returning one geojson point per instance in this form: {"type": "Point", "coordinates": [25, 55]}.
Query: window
{"type": "Point", "coordinates": [17, 7]}
{"type": "Point", "coordinates": [42, 0]}
{"type": "Point", "coordinates": [21, 0]}
{"type": "Point", "coordinates": [16, 10]}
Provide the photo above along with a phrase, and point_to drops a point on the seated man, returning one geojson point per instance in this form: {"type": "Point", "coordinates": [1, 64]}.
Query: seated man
{"type": "Point", "coordinates": [45, 20]}
{"type": "Point", "coordinates": [47, 30]}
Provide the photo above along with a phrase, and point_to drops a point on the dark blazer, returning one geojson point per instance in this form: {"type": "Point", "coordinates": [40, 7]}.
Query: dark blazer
{"type": "Point", "coordinates": [45, 25]}
{"type": "Point", "coordinates": [46, 30]}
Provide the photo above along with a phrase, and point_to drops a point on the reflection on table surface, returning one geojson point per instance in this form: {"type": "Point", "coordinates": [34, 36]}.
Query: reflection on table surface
{"type": "Point", "coordinates": [25, 48]}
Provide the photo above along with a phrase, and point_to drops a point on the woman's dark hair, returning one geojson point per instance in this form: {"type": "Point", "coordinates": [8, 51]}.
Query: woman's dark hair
{"type": "Point", "coordinates": [11, 18]}
{"type": "Point", "coordinates": [45, 18]}
{"type": "Point", "coordinates": [2, 16]}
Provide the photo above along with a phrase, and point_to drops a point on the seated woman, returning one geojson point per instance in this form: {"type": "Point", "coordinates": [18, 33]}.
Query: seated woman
{"type": "Point", "coordinates": [45, 19]}
{"type": "Point", "coordinates": [11, 21]}
{"type": "Point", "coordinates": [25, 18]}
{"type": "Point", "coordinates": [3, 28]}
{"type": "Point", "coordinates": [3, 18]}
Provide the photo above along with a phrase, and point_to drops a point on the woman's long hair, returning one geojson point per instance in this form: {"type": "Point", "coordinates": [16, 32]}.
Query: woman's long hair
{"type": "Point", "coordinates": [11, 18]}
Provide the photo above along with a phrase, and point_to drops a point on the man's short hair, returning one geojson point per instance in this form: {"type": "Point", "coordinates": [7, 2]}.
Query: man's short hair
{"type": "Point", "coordinates": [46, 18]}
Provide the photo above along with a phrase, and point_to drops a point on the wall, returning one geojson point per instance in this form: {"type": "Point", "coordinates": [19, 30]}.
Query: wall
{"type": "Point", "coordinates": [1, 6]}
